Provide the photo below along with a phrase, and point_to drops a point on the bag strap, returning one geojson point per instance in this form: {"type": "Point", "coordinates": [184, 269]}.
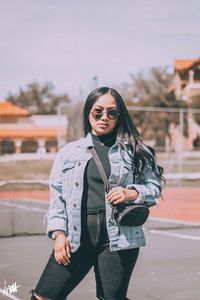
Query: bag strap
{"type": "Point", "coordinates": [100, 168]}
{"type": "Point", "coordinates": [105, 180]}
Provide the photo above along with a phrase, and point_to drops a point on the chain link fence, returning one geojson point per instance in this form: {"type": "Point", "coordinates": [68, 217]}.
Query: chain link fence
{"type": "Point", "coordinates": [179, 155]}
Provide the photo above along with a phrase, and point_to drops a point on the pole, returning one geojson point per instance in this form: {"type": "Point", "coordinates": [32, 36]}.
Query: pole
{"type": "Point", "coordinates": [181, 127]}
{"type": "Point", "coordinates": [59, 127]}
{"type": "Point", "coordinates": [95, 79]}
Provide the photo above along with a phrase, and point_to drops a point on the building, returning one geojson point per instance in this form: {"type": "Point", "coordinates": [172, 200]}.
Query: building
{"type": "Point", "coordinates": [186, 86]}
{"type": "Point", "coordinates": [187, 78]}
{"type": "Point", "coordinates": [21, 132]}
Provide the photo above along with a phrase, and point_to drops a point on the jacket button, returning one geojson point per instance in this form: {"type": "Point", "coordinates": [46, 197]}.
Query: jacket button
{"type": "Point", "coordinates": [79, 163]}
{"type": "Point", "coordinates": [75, 228]}
{"type": "Point", "coordinates": [76, 184]}
{"type": "Point", "coordinates": [74, 204]}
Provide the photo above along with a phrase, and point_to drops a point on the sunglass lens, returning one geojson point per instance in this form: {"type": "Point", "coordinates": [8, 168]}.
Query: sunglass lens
{"type": "Point", "coordinates": [98, 116]}
{"type": "Point", "coordinates": [112, 114]}
{"type": "Point", "coordinates": [98, 113]}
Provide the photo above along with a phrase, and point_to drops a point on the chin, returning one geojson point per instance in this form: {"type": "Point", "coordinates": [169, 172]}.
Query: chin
{"type": "Point", "coordinates": [102, 131]}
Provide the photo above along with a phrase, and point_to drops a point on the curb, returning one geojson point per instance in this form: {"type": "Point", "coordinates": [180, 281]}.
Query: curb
{"type": "Point", "coordinates": [165, 223]}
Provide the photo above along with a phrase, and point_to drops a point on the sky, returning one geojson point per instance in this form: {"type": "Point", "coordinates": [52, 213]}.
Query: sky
{"type": "Point", "coordinates": [68, 42]}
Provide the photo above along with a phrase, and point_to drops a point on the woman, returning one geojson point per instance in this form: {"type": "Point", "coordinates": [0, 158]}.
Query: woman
{"type": "Point", "coordinates": [80, 211]}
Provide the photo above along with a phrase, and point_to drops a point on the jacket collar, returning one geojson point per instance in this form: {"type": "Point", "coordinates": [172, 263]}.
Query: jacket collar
{"type": "Point", "coordinates": [89, 141]}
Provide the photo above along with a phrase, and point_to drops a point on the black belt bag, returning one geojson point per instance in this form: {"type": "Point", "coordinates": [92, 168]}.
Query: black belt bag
{"type": "Point", "coordinates": [126, 214]}
{"type": "Point", "coordinates": [131, 214]}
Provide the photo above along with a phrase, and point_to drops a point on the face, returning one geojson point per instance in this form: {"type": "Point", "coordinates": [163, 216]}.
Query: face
{"type": "Point", "coordinates": [103, 115]}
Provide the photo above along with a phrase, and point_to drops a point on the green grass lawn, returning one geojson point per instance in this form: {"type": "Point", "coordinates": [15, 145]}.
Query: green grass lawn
{"type": "Point", "coordinates": [187, 168]}
{"type": "Point", "coordinates": [33, 169]}
{"type": "Point", "coordinates": [171, 164]}
{"type": "Point", "coordinates": [40, 169]}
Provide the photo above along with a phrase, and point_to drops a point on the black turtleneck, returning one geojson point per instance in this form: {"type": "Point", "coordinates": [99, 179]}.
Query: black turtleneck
{"type": "Point", "coordinates": [93, 194]}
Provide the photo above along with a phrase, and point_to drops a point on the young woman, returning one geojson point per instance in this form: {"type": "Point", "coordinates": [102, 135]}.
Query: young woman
{"type": "Point", "coordinates": [80, 210]}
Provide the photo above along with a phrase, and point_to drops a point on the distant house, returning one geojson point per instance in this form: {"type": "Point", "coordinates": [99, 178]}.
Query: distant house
{"type": "Point", "coordinates": [186, 85]}
{"type": "Point", "coordinates": [21, 132]}
{"type": "Point", "coordinates": [187, 78]}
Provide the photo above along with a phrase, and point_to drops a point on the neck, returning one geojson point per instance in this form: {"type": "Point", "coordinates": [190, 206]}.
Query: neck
{"type": "Point", "coordinates": [106, 139]}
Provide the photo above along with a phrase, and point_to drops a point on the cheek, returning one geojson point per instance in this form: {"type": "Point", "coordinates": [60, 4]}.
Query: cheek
{"type": "Point", "coordinates": [91, 120]}
{"type": "Point", "coordinates": [114, 124]}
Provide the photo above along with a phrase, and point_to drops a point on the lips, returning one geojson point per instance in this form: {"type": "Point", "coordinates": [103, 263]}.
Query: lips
{"type": "Point", "coordinates": [102, 125]}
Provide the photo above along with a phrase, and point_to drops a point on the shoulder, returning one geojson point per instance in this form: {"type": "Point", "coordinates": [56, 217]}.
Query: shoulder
{"type": "Point", "coordinates": [77, 143]}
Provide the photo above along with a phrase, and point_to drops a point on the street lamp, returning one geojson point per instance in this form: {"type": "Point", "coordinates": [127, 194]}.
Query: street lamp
{"type": "Point", "coordinates": [95, 79]}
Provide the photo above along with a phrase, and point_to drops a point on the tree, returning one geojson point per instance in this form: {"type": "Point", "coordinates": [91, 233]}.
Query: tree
{"type": "Point", "coordinates": [153, 89]}
{"type": "Point", "coordinates": [75, 129]}
{"type": "Point", "coordinates": [38, 99]}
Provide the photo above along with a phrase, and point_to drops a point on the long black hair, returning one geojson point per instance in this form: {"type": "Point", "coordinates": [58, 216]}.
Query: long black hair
{"type": "Point", "coordinates": [126, 131]}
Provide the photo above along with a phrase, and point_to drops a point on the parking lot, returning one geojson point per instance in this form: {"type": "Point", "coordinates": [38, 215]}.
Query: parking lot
{"type": "Point", "coordinates": [167, 269]}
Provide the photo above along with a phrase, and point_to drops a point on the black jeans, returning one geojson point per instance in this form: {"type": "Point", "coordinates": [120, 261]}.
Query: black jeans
{"type": "Point", "coordinates": [112, 269]}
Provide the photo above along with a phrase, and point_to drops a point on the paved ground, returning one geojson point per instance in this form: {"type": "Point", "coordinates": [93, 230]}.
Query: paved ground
{"type": "Point", "coordinates": [168, 268]}
{"type": "Point", "coordinates": [23, 212]}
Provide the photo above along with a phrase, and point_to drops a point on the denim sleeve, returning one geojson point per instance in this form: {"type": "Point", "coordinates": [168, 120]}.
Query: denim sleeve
{"type": "Point", "coordinates": [57, 215]}
{"type": "Point", "coordinates": [149, 187]}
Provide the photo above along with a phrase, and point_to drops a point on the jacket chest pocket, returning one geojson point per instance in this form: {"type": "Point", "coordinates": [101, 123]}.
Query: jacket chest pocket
{"type": "Point", "coordinates": [126, 173]}
{"type": "Point", "coordinates": [67, 178]}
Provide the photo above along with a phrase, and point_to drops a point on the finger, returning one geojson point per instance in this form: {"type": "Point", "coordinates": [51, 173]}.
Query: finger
{"type": "Point", "coordinates": [114, 198]}
{"type": "Point", "coordinates": [118, 201]}
{"type": "Point", "coordinates": [62, 260]}
{"type": "Point", "coordinates": [114, 194]}
{"type": "Point", "coordinates": [118, 190]}
{"type": "Point", "coordinates": [118, 196]}
{"type": "Point", "coordinates": [65, 258]}
{"type": "Point", "coordinates": [113, 190]}
{"type": "Point", "coordinates": [60, 254]}
{"type": "Point", "coordinates": [57, 258]}
{"type": "Point", "coordinates": [68, 251]}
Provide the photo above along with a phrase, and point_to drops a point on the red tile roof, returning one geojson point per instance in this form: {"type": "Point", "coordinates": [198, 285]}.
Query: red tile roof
{"type": "Point", "coordinates": [9, 109]}
{"type": "Point", "coordinates": [184, 64]}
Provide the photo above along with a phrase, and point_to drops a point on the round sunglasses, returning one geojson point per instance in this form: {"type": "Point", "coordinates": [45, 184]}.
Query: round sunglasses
{"type": "Point", "coordinates": [111, 113]}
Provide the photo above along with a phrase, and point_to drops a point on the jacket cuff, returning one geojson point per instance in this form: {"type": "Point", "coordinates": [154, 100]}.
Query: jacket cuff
{"type": "Point", "coordinates": [141, 195]}
{"type": "Point", "coordinates": [56, 224]}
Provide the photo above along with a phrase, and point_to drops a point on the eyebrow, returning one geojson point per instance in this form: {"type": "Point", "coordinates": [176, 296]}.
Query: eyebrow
{"type": "Point", "coordinates": [99, 106]}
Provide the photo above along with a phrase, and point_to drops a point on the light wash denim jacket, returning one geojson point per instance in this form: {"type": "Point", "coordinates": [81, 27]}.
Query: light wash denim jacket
{"type": "Point", "coordinates": [66, 189]}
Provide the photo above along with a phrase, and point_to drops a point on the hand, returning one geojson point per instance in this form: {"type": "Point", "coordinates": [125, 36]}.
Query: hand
{"type": "Point", "coordinates": [62, 249]}
{"type": "Point", "coordinates": [119, 195]}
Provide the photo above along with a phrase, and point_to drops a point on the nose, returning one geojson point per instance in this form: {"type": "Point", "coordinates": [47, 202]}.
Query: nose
{"type": "Point", "coordinates": [105, 115]}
